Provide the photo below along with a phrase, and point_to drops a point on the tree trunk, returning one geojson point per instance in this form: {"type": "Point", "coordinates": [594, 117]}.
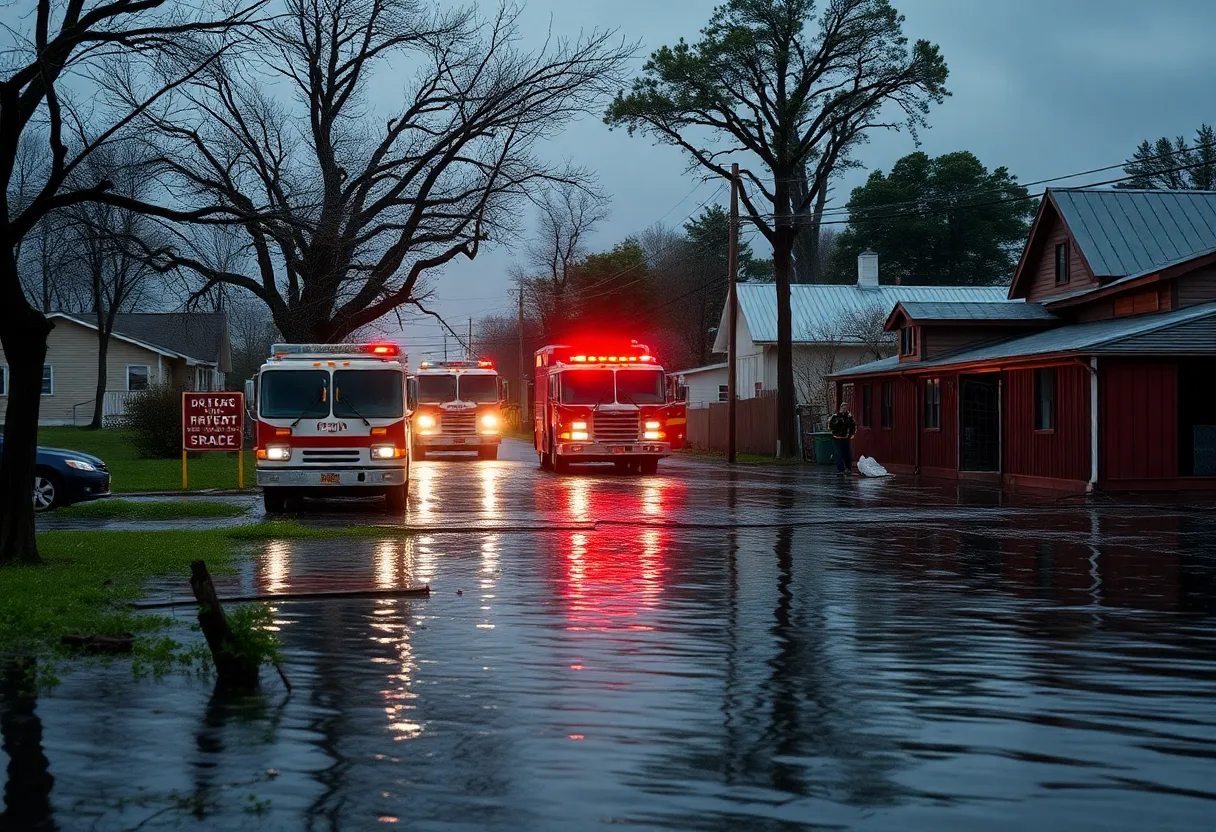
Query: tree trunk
{"type": "Point", "coordinates": [27, 794]}
{"type": "Point", "coordinates": [103, 348]}
{"type": "Point", "coordinates": [233, 672]}
{"type": "Point", "coordinates": [23, 334]}
{"type": "Point", "coordinates": [787, 426]}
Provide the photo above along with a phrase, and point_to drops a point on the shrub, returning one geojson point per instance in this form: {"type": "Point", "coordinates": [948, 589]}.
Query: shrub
{"type": "Point", "coordinates": [154, 418]}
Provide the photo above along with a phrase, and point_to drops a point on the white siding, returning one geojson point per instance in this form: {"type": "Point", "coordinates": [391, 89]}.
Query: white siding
{"type": "Point", "coordinates": [72, 352]}
{"type": "Point", "coordinates": [703, 386]}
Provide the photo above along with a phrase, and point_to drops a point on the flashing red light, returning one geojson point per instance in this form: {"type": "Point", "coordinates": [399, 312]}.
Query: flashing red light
{"type": "Point", "coordinates": [579, 359]}
{"type": "Point", "coordinates": [485, 365]}
{"type": "Point", "coordinates": [386, 349]}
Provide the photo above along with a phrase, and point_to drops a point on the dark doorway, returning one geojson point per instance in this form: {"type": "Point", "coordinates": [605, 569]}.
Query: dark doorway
{"type": "Point", "coordinates": [1197, 418]}
{"type": "Point", "coordinates": [980, 423]}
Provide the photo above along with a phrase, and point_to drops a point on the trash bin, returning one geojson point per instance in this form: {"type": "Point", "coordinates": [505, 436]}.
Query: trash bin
{"type": "Point", "coordinates": [825, 449]}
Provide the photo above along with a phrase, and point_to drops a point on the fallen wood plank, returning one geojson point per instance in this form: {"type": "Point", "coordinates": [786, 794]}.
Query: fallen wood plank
{"type": "Point", "coordinates": [91, 643]}
{"type": "Point", "coordinates": [408, 592]}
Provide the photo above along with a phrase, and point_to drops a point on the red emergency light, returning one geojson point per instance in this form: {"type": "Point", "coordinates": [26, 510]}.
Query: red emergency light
{"type": "Point", "coordinates": [381, 350]}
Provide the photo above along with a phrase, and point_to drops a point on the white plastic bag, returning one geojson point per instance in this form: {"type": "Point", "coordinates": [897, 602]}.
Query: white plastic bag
{"type": "Point", "coordinates": [869, 467]}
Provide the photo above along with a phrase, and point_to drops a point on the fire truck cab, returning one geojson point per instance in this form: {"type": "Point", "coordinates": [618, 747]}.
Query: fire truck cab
{"type": "Point", "coordinates": [332, 420]}
{"type": "Point", "coordinates": [604, 405]}
{"type": "Point", "coordinates": [459, 408]}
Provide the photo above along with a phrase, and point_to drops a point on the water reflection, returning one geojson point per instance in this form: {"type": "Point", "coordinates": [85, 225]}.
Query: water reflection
{"type": "Point", "coordinates": [27, 791]}
{"type": "Point", "coordinates": [275, 566]}
{"type": "Point", "coordinates": [612, 581]}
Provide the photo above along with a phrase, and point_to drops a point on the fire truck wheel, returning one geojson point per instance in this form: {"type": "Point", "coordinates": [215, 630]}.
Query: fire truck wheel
{"type": "Point", "coordinates": [419, 453]}
{"type": "Point", "coordinates": [395, 500]}
{"type": "Point", "coordinates": [557, 463]}
{"type": "Point", "coordinates": [488, 454]}
{"type": "Point", "coordinates": [273, 500]}
{"type": "Point", "coordinates": [648, 466]}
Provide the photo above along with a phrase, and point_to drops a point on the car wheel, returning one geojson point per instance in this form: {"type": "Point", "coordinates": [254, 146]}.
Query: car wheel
{"type": "Point", "coordinates": [273, 500]}
{"type": "Point", "coordinates": [48, 491]}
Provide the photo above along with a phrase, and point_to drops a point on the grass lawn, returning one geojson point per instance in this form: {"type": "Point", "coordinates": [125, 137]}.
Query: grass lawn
{"type": "Point", "coordinates": [116, 509]}
{"type": "Point", "coordinates": [132, 473]}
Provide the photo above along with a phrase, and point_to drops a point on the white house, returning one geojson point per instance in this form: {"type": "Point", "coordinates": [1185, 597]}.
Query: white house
{"type": "Point", "coordinates": [834, 327]}
{"type": "Point", "coordinates": [702, 386]}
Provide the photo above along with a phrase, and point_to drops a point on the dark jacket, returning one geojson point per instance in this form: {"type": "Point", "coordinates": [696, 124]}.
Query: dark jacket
{"type": "Point", "coordinates": [842, 426]}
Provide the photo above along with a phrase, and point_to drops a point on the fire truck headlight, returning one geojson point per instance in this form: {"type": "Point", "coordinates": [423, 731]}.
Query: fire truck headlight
{"type": "Point", "coordinates": [385, 452]}
{"type": "Point", "coordinates": [579, 435]}
{"type": "Point", "coordinates": [578, 425]}
{"type": "Point", "coordinates": [654, 434]}
{"type": "Point", "coordinates": [489, 421]}
{"type": "Point", "coordinates": [425, 421]}
{"type": "Point", "coordinates": [653, 425]}
{"type": "Point", "coordinates": [278, 453]}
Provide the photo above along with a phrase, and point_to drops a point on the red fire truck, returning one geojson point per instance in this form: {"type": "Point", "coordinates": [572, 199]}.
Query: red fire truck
{"type": "Point", "coordinates": [607, 404]}
{"type": "Point", "coordinates": [459, 404]}
{"type": "Point", "coordinates": [333, 419]}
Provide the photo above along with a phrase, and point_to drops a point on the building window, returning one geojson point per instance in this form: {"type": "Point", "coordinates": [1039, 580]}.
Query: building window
{"type": "Point", "coordinates": [1061, 263]}
{"type": "Point", "coordinates": [907, 341]}
{"type": "Point", "coordinates": [888, 403]}
{"type": "Point", "coordinates": [867, 405]}
{"type": "Point", "coordinates": [48, 380]}
{"type": "Point", "coordinates": [933, 404]}
{"type": "Point", "coordinates": [759, 388]}
{"type": "Point", "coordinates": [139, 377]}
{"type": "Point", "coordinates": [1045, 399]}
{"type": "Point", "coordinates": [723, 393]}
{"type": "Point", "coordinates": [3, 379]}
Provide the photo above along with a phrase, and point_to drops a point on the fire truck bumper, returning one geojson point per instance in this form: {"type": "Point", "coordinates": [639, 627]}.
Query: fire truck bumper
{"type": "Point", "coordinates": [595, 452]}
{"type": "Point", "coordinates": [333, 478]}
{"type": "Point", "coordinates": [439, 442]}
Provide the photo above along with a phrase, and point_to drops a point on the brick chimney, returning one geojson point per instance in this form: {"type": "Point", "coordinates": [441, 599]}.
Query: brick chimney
{"type": "Point", "coordinates": [867, 270]}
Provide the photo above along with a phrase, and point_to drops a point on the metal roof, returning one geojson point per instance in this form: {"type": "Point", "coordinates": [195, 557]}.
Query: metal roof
{"type": "Point", "coordinates": [817, 307]}
{"type": "Point", "coordinates": [1096, 337]}
{"type": "Point", "coordinates": [704, 369]}
{"type": "Point", "coordinates": [975, 311]}
{"type": "Point", "coordinates": [1129, 232]}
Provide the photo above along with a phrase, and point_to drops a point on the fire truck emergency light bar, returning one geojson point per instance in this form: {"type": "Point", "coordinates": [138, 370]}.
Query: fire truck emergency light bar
{"type": "Point", "coordinates": [378, 350]}
{"type": "Point", "coordinates": [458, 365]}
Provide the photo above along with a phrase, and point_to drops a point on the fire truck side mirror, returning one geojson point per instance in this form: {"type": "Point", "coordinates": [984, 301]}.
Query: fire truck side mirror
{"type": "Point", "coordinates": [411, 393]}
{"type": "Point", "coordinates": [504, 390]}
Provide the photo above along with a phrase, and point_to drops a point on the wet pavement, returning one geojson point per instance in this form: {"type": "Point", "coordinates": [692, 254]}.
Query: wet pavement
{"type": "Point", "coordinates": [764, 648]}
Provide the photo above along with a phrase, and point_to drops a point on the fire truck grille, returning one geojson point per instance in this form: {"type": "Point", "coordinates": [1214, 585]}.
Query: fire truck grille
{"type": "Point", "coordinates": [460, 424]}
{"type": "Point", "coordinates": [615, 427]}
{"type": "Point", "coordinates": [331, 456]}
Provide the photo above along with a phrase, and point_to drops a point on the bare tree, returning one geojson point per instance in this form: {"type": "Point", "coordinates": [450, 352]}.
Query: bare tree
{"type": "Point", "coordinates": [89, 41]}
{"type": "Point", "coordinates": [854, 337]}
{"type": "Point", "coordinates": [346, 207]}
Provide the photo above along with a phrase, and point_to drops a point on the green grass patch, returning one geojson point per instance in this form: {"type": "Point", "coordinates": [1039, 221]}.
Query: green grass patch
{"type": "Point", "coordinates": [150, 510]}
{"type": "Point", "coordinates": [132, 473]}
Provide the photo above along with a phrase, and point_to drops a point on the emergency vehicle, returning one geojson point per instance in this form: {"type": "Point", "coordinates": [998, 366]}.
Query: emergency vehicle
{"type": "Point", "coordinates": [459, 408]}
{"type": "Point", "coordinates": [332, 419]}
{"type": "Point", "coordinates": [604, 405]}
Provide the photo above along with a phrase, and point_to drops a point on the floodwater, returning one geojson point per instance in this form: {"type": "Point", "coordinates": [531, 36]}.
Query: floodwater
{"type": "Point", "coordinates": [767, 649]}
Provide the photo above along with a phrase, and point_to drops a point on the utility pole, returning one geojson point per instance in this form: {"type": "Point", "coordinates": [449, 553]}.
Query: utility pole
{"type": "Point", "coordinates": [732, 300]}
{"type": "Point", "coordinates": [469, 357]}
{"type": "Point", "coordinates": [523, 365]}
{"type": "Point", "coordinates": [445, 345]}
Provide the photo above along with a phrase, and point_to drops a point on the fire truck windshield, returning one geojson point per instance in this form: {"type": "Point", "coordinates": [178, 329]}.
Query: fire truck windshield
{"type": "Point", "coordinates": [478, 388]}
{"type": "Point", "coordinates": [374, 394]}
{"type": "Point", "coordinates": [641, 387]}
{"type": "Point", "coordinates": [290, 394]}
{"type": "Point", "coordinates": [587, 387]}
{"type": "Point", "coordinates": [437, 388]}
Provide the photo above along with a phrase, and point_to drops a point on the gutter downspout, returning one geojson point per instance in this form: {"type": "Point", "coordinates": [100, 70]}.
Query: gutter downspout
{"type": "Point", "coordinates": [1093, 426]}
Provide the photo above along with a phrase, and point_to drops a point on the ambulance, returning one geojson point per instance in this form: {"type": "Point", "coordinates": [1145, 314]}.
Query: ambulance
{"type": "Point", "coordinates": [459, 408]}
{"type": "Point", "coordinates": [332, 420]}
{"type": "Point", "coordinates": [604, 403]}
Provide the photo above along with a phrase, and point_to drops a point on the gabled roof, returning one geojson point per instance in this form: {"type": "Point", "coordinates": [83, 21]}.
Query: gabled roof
{"type": "Point", "coordinates": [708, 368]}
{"type": "Point", "coordinates": [1127, 232]}
{"type": "Point", "coordinates": [197, 337]}
{"type": "Point", "coordinates": [965, 312]}
{"type": "Point", "coordinates": [1177, 332]}
{"type": "Point", "coordinates": [818, 307]}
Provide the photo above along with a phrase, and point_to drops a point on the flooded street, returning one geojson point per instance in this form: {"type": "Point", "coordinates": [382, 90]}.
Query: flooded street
{"type": "Point", "coordinates": [766, 648]}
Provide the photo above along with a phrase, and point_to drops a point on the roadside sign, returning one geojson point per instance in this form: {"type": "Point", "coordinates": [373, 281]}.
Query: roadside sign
{"type": "Point", "coordinates": [214, 422]}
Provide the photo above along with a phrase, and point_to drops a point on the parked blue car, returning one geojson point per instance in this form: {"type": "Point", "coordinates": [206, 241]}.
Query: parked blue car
{"type": "Point", "coordinates": [64, 477]}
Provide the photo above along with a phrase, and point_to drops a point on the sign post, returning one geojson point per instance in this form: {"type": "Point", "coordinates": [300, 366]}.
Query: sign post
{"type": "Point", "coordinates": [214, 422]}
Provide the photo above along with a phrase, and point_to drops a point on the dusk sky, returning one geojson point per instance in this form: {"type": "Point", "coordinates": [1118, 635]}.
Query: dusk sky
{"type": "Point", "coordinates": [1044, 87]}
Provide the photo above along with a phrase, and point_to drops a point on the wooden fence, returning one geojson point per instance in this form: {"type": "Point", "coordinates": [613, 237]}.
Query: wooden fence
{"type": "Point", "coordinates": [756, 426]}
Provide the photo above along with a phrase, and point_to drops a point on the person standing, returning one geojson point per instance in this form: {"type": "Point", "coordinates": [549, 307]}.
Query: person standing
{"type": "Point", "coordinates": [843, 430]}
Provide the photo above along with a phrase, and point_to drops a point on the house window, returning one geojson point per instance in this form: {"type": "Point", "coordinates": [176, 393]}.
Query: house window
{"type": "Point", "coordinates": [723, 393]}
{"type": "Point", "coordinates": [888, 403]}
{"type": "Point", "coordinates": [139, 377]}
{"type": "Point", "coordinates": [907, 341]}
{"type": "Point", "coordinates": [3, 379]}
{"type": "Point", "coordinates": [759, 388]}
{"type": "Point", "coordinates": [1061, 263]}
{"type": "Point", "coordinates": [933, 404]}
{"type": "Point", "coordinates": [1045, 399]}
{"type": "Point", "coordinates": [867, 405]}
{"type": "Point", "coordinates": [48, 380]}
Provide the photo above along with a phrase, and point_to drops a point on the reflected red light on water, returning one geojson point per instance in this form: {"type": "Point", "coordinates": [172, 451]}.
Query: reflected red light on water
{"type": "Point", "coordinates": [611, 580]}
{"type": "Point", "coordinates": [578, 736]}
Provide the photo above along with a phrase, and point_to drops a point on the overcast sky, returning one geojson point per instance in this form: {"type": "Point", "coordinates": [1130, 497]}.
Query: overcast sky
{"type": "Point", "coordinates": [1044, 87]}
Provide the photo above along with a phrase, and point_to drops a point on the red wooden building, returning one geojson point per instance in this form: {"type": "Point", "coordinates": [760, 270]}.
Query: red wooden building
{"type": "Point", "coordinates": [1099, 372]}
